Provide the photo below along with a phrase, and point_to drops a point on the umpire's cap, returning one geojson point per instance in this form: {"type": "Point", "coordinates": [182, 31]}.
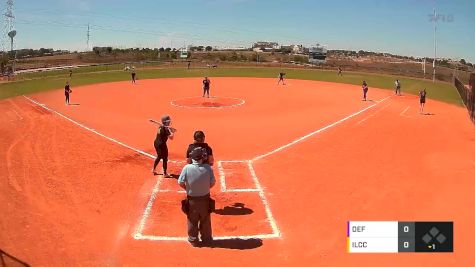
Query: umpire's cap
{"type": "Point", "coordinates": [166, 119]}
{"type": "Point", "coordinates": [199, 135]}
{"type": "Point", "coordinates": [197, 153]}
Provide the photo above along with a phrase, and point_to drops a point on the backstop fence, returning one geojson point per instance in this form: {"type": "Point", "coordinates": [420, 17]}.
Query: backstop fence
{"type": "Point", "coordinates": [467, 94]}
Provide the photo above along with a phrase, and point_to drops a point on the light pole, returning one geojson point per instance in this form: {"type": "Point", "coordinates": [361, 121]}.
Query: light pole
{"type": "Point", "coordinates": [435, 46]}
{"type": "Point", "coordinates": [12, 35]}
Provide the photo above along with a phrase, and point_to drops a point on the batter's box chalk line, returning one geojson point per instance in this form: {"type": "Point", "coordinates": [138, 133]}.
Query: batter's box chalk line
{"type": "Point", "coordinates": [258, 189]}
{"type": "Point", "coordinates": [138, 235]}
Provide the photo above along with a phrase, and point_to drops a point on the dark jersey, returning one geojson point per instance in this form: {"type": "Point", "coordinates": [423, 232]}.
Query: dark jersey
{"type": "Point", "coordinates": [67, 90]}
{"type": "Point", "coordinates": [206, 84]}
{"type": "Point", "coordinates": [209, 150]}
{"type": "Point", "coordinates": [281, 75]}
{"type": "Point", "coordinates": [422, 95]}
{"type": "Point", "coordinates": [162, 136]}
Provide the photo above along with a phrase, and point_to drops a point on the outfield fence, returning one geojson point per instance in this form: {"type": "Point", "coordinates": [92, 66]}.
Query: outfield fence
{"type": "Point", "coordinates": [83, 68]}
{"type": "Point", "coordinates": [467, 94]}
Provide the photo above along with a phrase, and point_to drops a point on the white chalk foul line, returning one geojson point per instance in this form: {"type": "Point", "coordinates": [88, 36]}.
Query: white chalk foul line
{"type": "Point", "coordinates": [374, 113]}
{"type": "Point", "coordinates": [96, 132]}
{"type": "Point", "coordinates": [262, 195]}
{"type": "Point", "coordinates": [276, 233]}
{"type": "Point", "coordinates": [404, 111]}
{"type": "Point", "coordinates": [138, 233]}
{"type": "Point", "coordinates": [317, 131]}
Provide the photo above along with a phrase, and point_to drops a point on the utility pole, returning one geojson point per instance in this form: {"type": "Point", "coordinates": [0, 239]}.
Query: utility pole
{"type": "Point", "coordinates": [435, 45]}
{"type": "Point", "coordinates": [88, 37]}
{"type": "Point", "coordinates": [10, 30]}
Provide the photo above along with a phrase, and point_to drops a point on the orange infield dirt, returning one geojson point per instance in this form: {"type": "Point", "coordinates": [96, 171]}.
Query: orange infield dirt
{"type": "Point", "coordinates": [298, 162]}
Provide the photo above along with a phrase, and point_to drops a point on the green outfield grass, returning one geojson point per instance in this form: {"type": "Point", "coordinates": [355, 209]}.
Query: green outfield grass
{"type": "Point", "coordinates": [442, 91]}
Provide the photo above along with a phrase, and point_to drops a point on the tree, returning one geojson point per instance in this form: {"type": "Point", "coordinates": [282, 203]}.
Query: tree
{"type": "Point", "coordinates": [222, 57]}
{"type": "Point", "coordinates": [462, 61]}
{"type": "Point", "coordinates": [161, 49]}
{"type": "Point", "coordinates": [95, 49]}
{"type": "Point", "coordinates": [234, 56]}
{"type": "Point", "coordinates": [168, 49]}
{"type": "Point", "coordinates": [209, 48]}
{"type": "Point", "coordinates": [286, 50]}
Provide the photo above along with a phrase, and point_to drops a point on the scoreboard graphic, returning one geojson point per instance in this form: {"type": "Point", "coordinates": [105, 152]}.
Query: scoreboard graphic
{"type": "Point", "coordinates": [395, 237]}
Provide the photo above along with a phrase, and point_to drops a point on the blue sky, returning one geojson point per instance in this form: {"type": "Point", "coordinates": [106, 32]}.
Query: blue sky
{"type": "Point", "coordinates": [399, 26]}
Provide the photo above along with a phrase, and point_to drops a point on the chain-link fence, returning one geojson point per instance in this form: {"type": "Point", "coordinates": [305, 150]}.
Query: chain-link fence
{"type": "Point", "coordinates": [467, 94]}
{"type": "Point", "coordinates": [38, 73]}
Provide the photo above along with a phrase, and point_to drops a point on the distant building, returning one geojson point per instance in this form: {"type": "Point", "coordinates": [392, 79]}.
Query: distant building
{"type": "Point", "coordinates": [183, 53]}
{"type": "Point", "coordinates": [298, 49]}
{"type": "Point", "coordinates": [294, 49]}
{"type": "Point", "coordinates": [317, 54]}
{"type": "Point", "coordinates": [265, 46]}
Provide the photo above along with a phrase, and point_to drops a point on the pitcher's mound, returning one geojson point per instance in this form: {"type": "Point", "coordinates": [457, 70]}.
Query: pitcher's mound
{"type": "Point", "coordinates": [205, 102]}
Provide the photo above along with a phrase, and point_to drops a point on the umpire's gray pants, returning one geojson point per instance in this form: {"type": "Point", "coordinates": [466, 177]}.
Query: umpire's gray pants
{"type": "Point", "coordinates": [199, 219]}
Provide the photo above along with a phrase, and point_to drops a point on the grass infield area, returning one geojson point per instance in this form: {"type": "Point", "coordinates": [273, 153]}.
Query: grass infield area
{"type": "Point", "coordinates": [441, 91]}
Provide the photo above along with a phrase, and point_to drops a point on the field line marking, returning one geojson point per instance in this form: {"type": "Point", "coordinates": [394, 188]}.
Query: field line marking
{"type": "Point", "coordinates": [317, 131]}
{"type": "Point", "coordinates": [148, 208]}
{"type": "Point", "coordinates": [262, 195]}
{"type": "Point", "coordinates": [138, 234]}
{"type": "Point", "coordinates": [404, 111]}
{"type": "Point", "coordinates": [182, 238]}
{"type": "Point", "coordinates": [13, 109]}
{"type": "Point", "coordinates": [171, 191]}
{"type": "Point", "coordinates": [222, 176]}
{"type": "Point", "coordinates": [94, 131]}
{"type": "Point", "coordinates": [237, 190]}
{"type": "Point", "coordinates": [372, 115]}
{"type": "Point", "coordinates": [19, 116]}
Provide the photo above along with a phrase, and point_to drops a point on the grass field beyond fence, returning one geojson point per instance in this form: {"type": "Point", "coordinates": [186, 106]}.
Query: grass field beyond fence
{"type": "Point", "coordinates": [438, 91]}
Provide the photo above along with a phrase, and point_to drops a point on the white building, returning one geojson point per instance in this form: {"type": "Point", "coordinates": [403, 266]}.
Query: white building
{"type": "Point", "coordinates": [265, 46]}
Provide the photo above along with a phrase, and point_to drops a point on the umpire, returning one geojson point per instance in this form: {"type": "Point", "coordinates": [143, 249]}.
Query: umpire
{"type": "Point", "coordinates": [199, 141]}
{"type": "Point", "coordinates": [197, 179]}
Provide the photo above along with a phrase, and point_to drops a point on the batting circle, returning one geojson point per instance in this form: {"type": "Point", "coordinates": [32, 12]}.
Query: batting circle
{"type": "Point", "coordinates": [205, 102]}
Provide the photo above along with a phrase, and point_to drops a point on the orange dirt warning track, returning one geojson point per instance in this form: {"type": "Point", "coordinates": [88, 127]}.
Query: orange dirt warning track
{"type": "Point", "coordinates": [294, 164]}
